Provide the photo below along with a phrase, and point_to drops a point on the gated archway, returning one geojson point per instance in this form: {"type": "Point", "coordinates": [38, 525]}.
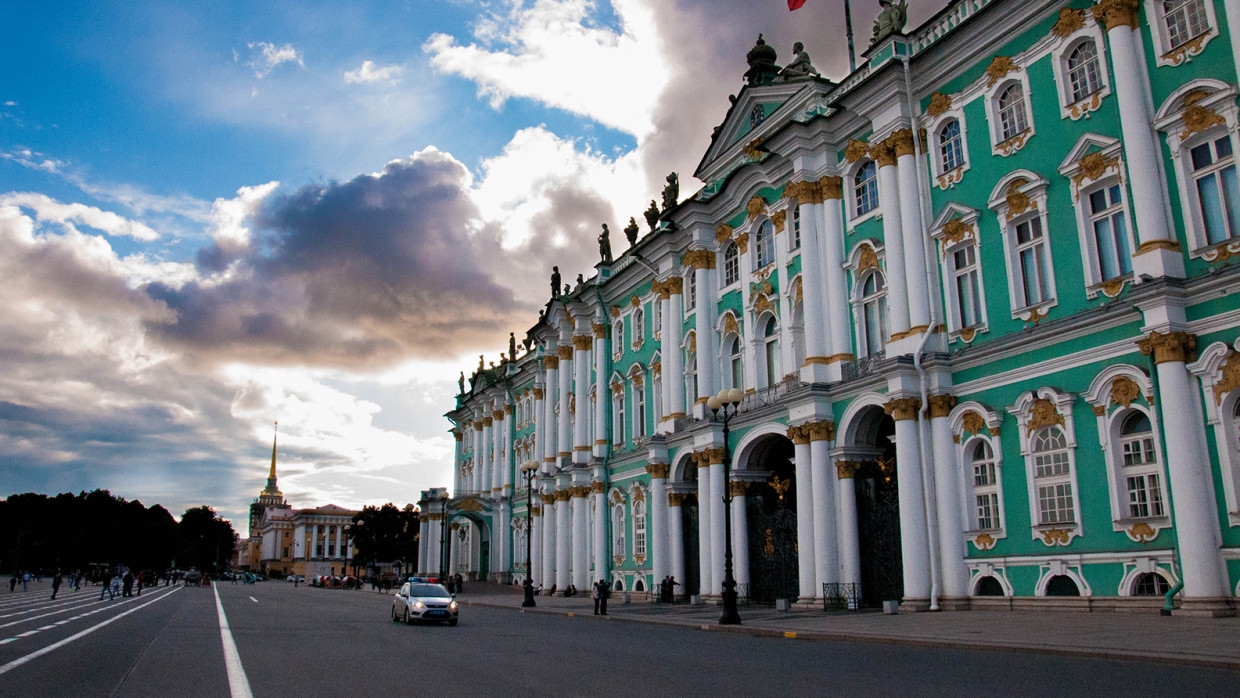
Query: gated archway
{"type": "Point", "coordinates": [771, 515]}
{"type": "Point", "coordinates": [878, 508]}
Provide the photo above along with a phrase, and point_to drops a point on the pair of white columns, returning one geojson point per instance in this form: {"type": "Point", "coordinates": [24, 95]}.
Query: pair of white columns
{"type": "Point", "coordinates": [908, 298]}
{"type": "Point", "coordinates": [672, 300]}
{"type": "Point", "coordinates": [550, 432]}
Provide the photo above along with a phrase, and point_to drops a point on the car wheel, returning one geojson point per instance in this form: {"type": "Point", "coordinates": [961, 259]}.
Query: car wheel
{"type": "Point", "coordinates": [394, 616]}
{"type": "Point", "coordinates": [408, 620]}
{"type": "Point", "coordinates": [452, 622]}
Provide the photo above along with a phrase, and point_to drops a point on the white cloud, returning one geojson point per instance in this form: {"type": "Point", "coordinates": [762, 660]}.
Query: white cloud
{"type": "Point", "coordinates": [33, 160]}
{"type": "Point", "coordinates": [551, 52]}
{"type": "Point", "coordinates": [268, 56]}
{"type": "Point", "coordinates": [50, 210]}
{"type": "Point", "coordinates": [230, 217]}
{"type": "Point", "coordinates": [369, 72]}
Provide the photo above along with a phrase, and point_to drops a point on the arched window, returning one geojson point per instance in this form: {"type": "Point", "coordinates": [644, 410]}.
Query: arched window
{"type": "Point", "coordinates": [865, 189]}
{"type": "Point", "coordinates": [764, 247]}
{"type": "Point", "coordinates": [1141, 470]}
{"type": "Point", "coordinates": [731, 265]}
{"type": "Point", "coordinates": [1062, 585]}
{"type": "Point", "coordinates": [873, 312]}
{"type": "Point", "coordinates": [1052, 475]}
{"type": "Point", "coordinates": [617, 531]}
{"type": "Point", "coordinates": [639, 326]}
{"type": "Point", "coordinates": [951, 146]}
{"type": "Point", "coordinates": [1013, 116]}
{"type": "Point", "coordinates": [989, 586]}
{"type": "Point", "coordinates": [617, 337]}
{"type": "Point", "coordinates": [1150, 584]}
{"type": "Point", "coordinates": [985, 485]}
{"type": "Point", "coordinates": [690, 290]}
{"type": "Point", "coordinates": [617, 412]}
{"type": "Point", "coordinates": [639, 410]}
{"type": "Point", "coordinates": [639, 529]}
{"type": "Point", "coordinates": [736, 362]}
{"type": "Point", "coordinates": [1083, 72]}
{"type": "Point", "coordinates": [691, 375]}
{"type": "Point", "coordinates": [796, 227]}
{"type": "Point", "coordinates": [770, 341]}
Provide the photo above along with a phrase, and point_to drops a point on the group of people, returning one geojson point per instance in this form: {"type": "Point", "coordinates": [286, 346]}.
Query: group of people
{"type": "Point", "coordinates": [599, 594]}
{"type": "Point", "coordinates": [122, 584]}
{"type": "Point", "coordinates": [667, 589]}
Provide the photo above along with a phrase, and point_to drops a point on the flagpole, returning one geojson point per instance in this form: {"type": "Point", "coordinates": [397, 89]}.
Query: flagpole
{"type": "Point", "coordinates": [852, 57]}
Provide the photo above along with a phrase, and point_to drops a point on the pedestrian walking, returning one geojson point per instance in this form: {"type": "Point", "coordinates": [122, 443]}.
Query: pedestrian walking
{"type": "Point", "coordinates": [77, 580]}
{"type": "Point", "coordinates": [56, 582]}
{"type": "Point", "coordinates": [116, 585]}
{"type": "Point", "coordinates": [13, 583]}
{"type": "Point", "coordinates": [602, 590]}
{"type": "Point", "coordinates": [107, 586]}
{"type": "Point", "coordinates": [127, 582]}
{"type": "Point", "coordinates": [25, 581]}
{"type": "Point", "coordinates": [594, 594]}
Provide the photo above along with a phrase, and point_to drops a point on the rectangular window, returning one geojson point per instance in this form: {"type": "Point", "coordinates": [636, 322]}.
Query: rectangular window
{"type": "Point", "coordinates": [796, 227]}
{"type": "Point", "coordinates": [691, 291]}
{"type": "Point", "coordinates": [1214, 171]}
{"type": "Point", "coordinates": [639, 412]}
{"type": "Point", "coordinates": [987, 511]}
{"type": "Point", "coordinates": [983, 473]}
{"type": "Point", "coordinates": [1031, 254]}
{"type": "Point", "coordinates": [1106, 215]}
{"type": "Point", "coordinates": [1055, 503]}
{"type": "Point", "coordinates": [1051, 463]}
{"type": "Point", "coordinates": [968, 296]}
{"type": "Point", "coordinates": [1185, 19]}
{"type": "Point", "coordinates": [1144, 496]}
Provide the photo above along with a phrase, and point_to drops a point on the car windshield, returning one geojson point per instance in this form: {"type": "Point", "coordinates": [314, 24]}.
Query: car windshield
{"type": "Point", "coordinates": [428, 590]}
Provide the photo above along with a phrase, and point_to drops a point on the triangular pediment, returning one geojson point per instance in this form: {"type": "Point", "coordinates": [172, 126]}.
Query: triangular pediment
{"type": "Point", "coordinates": [1086, 144]}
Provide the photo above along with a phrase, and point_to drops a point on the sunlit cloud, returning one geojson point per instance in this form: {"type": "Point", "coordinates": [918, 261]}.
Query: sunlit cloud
{"type": "Point", "coordinates": [267, 56]}
{"type": "Point", "coordinates": [369, 72]}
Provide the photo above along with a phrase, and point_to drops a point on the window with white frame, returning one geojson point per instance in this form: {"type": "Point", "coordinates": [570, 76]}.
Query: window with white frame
{"type": "Point", "coordinates": [951, 146]}
{"type": "Point", "coordinates": [639, 408]}
{"type": "Point", "coordinates": [618, 551]}
{"type": "Point", "coordinates": [872, 313]}
{"type": "Point", "coordinates": [617, 338]}
{"type": "Point", "coordinates": [1084, 71]}
{"type": "Point", "coordinates": [736, 362]}
{"type": "Point", "coordinates": [639, 529]}
{"type": "Point", "coordinates": [985, 485]}
{"type": "Point", "coordinates": [690, 291]}
{"type": "Point", "coordinates": [731, 265]}
{"type": "Point", "coordinates": [1214, 181]}
{"type": "Point", "coordinates": [865, 189]}
{"type": "Point", "coordinates": [657, 313]}
{"type": "Point", "coordinates": [1052, 476]}
{"type": "Point", "coordinates": [1032, 263]}
{"type": "Point", "coordinates": [691, 374]}
{"type": "Point", "coordinates": [617, 417]}
{"type": "Point", "coordinates": [764, 245]}
{"type": "Point", "coordinates": [966, 286]}
{"type": "Point", "coordinates": [1013, 112]}
{"type": "Point", "coordinates": [639, 326]}
{"type": "Point", "coordinates": [770, 344]}
{"type": "Point", "coordinates": [796, 227]}
{"type": "Point", "coordinates": [1108, 225]}
{"type": "Point", "coordinates": [1184, 20]}
{"type": "Point", "coordinates": [1141, 470]}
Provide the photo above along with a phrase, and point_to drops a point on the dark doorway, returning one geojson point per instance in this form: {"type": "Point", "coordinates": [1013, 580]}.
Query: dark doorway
{"type": "Point", "coordinates": [771, 511]}
{"type": "Point", "coordinates": [484, 560]}
{"type": "Point", "coordinates": [689, 533]}
{"type": "Point", "coordinates": [878, 516]}
{"type": "Point", "coordinates": [1062, 585]}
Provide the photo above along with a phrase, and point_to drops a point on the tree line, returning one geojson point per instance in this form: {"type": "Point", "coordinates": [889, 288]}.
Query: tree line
{"type": "Point", "coordinates": [92, 529]}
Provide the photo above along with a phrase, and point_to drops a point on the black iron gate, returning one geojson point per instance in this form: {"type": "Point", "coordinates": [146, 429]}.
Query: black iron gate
{"type": "Point", "coordinates": [878, 528]}
{"type": "Point", "coordinates": [773, 566]}
{"type": "Point", "coordinates": [689, 533]}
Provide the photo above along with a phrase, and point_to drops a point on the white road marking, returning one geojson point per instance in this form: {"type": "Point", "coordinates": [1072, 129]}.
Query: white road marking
{"type": "Point", "coordinates": [57, 645]}
{"type": "Point", "coordinates": [254, 599]}
{"type": "Point", "coordinates": [238, 684]}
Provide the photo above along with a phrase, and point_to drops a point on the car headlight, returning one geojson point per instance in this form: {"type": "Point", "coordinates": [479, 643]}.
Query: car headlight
{"type": "Point", "coordinates": [417, 605]}
{"type": "Point", "coordinates": [452, 605]}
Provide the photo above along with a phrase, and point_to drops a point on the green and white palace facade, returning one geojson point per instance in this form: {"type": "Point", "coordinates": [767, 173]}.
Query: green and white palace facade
{"type": "Point", "coordinates": [980, 299]}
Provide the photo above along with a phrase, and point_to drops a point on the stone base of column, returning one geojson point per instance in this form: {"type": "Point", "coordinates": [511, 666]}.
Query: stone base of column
{"type": "Point", "coordinates": [914, 605]}
{"type": "Point", "coordinates": [1158, 259]}
{"type": "Point", "coordinates": [906, 344]}
{"type": "Point", "coordinates": [1205, 607]}
{"type": "Point", "coordinates": [820, 372]}
{"type": "Point", "coordinates": [954, 603]}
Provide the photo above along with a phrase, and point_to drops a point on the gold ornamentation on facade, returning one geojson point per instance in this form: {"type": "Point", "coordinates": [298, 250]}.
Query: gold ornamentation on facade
{"type": "Point", "coordinates": [583, 342]}
{"type": "Point", "coordinates": [998, 68]}
{"type": "Point", "coordinates": [1070, 20]}
{"type": "Point", "coordinates": [487, 421]}
{"type": "Point", "coordinates": [498, 415]}
{"type": "Point", "coordinates": [777, 219]}
{"type": "Point", "coordinates": [886, 467]}
{"type": "Point", "coordinates": [941, 405]}
{"type": "Point", "coordinates": [1043, 414]}
{"type": "Point", "coordinates": [868, 259]}
{"type": "Point", "coordinates": [950, 179]}
{"type": "Point", "coordinates": [674, 285]}
{"type": "Point", "coordinates": [1099, 410]}
{"type": "Point", "coordinates": [1017, 201]}
{"type": "Point", "coordinates": [742, 244]}
{"type": "Point", "coordinates": [901, 142]}
{"type": "Point", "coordinates": [822, 430]}
{"type": "Point", "coordinates": [693, 342]}
{"type": "Point", "coordinates": [1112, 287]}
{"type": "Point", "coordinates": [1124, 390]}
{"type": "Point", "coordinates": [1142, 532]}
{"type": "Point", "coordinates": [470, 504]}
{"type": "Point", "coordinates": [1116, 13]}
{"type": "Point", "coordinates": [675, 499]}
{"type": "Point", "coordinates": [756, 206]}
{"type": "Point", "coordinates": [565, 352]}
{"type": "Point", "coordinates": [967, 334]}
{"type": "Point", "coordinates": [639, 495]}
{"type": "Point", "coordinates": [1151, 245]}
{"type": "Point", "coordinates": [1014, 143]}
{"type": "Point", "coordinates": [801, 192]}
{"type": "Point", "coordinates": [781, 487]}
{"type": "Point", "coordinates": [551, 361]}
{"type": "Point", "coordinates": [723, 232]}
{"type": "Point", "coordinates": [1094, 165]}
{"type": "Point", "coordinates": [729, 323]}
{"type": "Point", "coordinates": [738, 488]}
{"type": "Point", "coordinates": [700, 259]}
{"type": "Point", "coordinates": [1230, 379]}
{"type": "Point", "coordinates": [658, 471]}
{"type": "Point", "coordinates": [538, 393]}
{"type": "Point", "coordinates": [846, 469]}
{"type": "Point", "coordinates": [1056, 536]}
{"type": "Point", "coordinates": [797, 291]}
{"type": "Point", "coordinates": [902, 408]}
{"type": "Point", "coordinates": [1085, 106]}
{"type": "Point", "coordinates": [599, 330]}
{"type": "Point", "coordinates": [798, 434]}
{"type": "Point", "coordinates": [883, 153]}
{"type": "Point", "coordinates": [939, 103]}
{"type": "Point", "coordinates": [856, 150]}
{"type": "Point", "coordinates": [762, 303]}
{"type": "Point", "coordinates": [984, 541]}
{"type": "Point", "coordinates": [713, 456]}
{"type": "Point", "coordinates": [830, 187]}
{"type": "Point", "coordinates": [1196, 117]}
{"type": "Point", "coordinates": [1180, 53]}
{"type": "Point", "coordinates": [657, 368]}
{"type": "Point", "coordinates": [1169, 347]}
{"type": "Point", "coordinates": [753, 150]}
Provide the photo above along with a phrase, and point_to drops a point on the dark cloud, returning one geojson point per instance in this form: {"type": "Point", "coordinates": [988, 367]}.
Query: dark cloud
{"type": "Point", "coordinates": [360, 274]}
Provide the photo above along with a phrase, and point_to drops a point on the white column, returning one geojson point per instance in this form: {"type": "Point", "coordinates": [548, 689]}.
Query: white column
{"type": "Point", "coordinates": [541, 432]}
{"type": "Point", "coordinates": [550, 447]}
{"type": "Point", "coordinates": [705, 496]}
{"type": "Point", "coordinates": [479, 455]}
{"type": "Point", "coordinates": [501, 560]}
{"type": "Point", "coordinates": [846, 521]}
{"type": "Point", "coordinates": [1158, 253]}
{"type": "Point", "coordinates": [1233, 30]}
{"type": "Point", "coordinates": [425, 537]}
{"type": "Point", "coordinates": [563, 538]}
{"type": "Point", "coordinates": [602, 394]}
{"type": "Point", "coordinates": [536, 534]}
{"type": "Point", "coordinates": [548, 540]}
{"type": "Point", "coordinates": [826, 554]}
{"type": "Point", "coordinates": [893, 235]}
{"type": "Point", "coordinates": [949, 503]}
{"type": "Point", "coordinates": [488, 454]}
{"type": "Point", "coordinates": [913, 233]}
{"type": "Point", "coordinates": [581, 534]}
{"type": "Point", "coordinates": [707, 342]}
{"type": "Point", "coordinates": [676, 536]}
{"type": "Point", "coordinates": [740, 534]}
{"type": "Point", "coordinates": [717, 530]}
{"type": "Point", "coordinates": [657, 538]}
{"type": "Point", "coordinates": [564, 437]}
{"type": "Point", "coordinates": [806, 565]}
{"type": "Point", "coordinates": [673, 358]}
{"type": "Point", "coordinates": [812, 286]}
{"type": "Point", "coordinates": [1194, 506]}
{"type": "Point", "coordinates": [433, 553]}
{"type": "Point", "coordinates": [339, 549]}
{"type": "Point", "coordinates": [582, 448]}
{"type": "Point", "coordinates": [508, 461]}
{"type": "Point", "coordinates": [601, 568]}
{"type": "Point", "coordinates": [458, 452]}
{"type": "Point", "coordinates": [497, 455]}
{"type": "Point", "coordinates": [839, 334]}
{"type": "Point", "coordinates": [914, 542]}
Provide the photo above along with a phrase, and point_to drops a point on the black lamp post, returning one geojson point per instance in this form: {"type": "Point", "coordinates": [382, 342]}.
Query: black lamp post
{"type": "Point", "coordinates": [723, 408]}
{"type": "Point", "coordinates": [529, 469]}
{"type": "Point", "coordinates": [443, 535]}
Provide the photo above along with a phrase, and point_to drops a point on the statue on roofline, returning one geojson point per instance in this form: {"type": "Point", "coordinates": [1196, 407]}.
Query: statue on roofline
{"type": "Point", "coordinates": [581, 279]}
{"type": "Point", "coordinates": [890, 19]}
{"type": "Point", "coordinates": [671, 192]}
{"type": "Point", "coordinates": [460, 384]}
{"type": "Point", "coordinates": [555, 282]}
{"type": "Point", "coordinates": [652, 215]}
{"type": "Point", "coordinates": [800, 67]}
{"type": "Point", "coordinates": [512, 345]}
{"type": "Point", "coordinates": [630, 231]}
{"type": "Point", "coordinates": [604, 246]}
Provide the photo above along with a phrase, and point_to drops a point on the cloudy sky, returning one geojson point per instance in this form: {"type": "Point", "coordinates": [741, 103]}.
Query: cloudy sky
{"type": "Point", "coordinates": [216, 216]}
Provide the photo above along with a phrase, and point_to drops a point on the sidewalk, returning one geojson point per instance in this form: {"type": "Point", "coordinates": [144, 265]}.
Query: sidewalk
{"type": "Point", "coordinates": [1211, 642]}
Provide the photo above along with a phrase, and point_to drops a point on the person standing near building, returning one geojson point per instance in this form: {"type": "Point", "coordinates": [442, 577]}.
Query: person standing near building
{"type": "Point", "coordinates": [56, 581]}
{"type": "Point", "coordinates": [13, 583]}
{"type": "Point", "coordinates": [599, 594]}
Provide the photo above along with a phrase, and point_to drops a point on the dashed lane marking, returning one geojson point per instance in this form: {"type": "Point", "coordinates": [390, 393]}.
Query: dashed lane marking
{"type": "Point", "coordinates": [238, 684]}
{"type": "Point", "coordinates": [254, 599]}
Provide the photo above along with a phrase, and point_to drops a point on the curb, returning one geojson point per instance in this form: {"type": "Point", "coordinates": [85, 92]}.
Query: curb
{"type": "Point", "coordinates": [826, 636]}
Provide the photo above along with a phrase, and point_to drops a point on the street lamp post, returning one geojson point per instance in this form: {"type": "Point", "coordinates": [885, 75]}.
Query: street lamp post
{"type": "Point", "coordinates": [529, 469]}
{"type": "Point", "coordinates": [723, 408]}
{"type": "Point", "coordinates": [443, 535]}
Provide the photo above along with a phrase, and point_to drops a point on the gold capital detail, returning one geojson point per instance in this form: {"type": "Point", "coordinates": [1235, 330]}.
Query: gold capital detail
{"type": "Point", "coordinates": [823, 430]}
{"type": "Point", "coordinates": [846, 469]}
{"type": "Point", "coordinates": [538, 393]}
{"type": "Point", "coordinates": [1230, 380]}
{"type": "Point", "coordinates": [583, 342]}
{"type": "Point", "coordinates": [738, 488]}
{"type": "Point", "coordinates": [941, 405]}
{"type": "Point", "coordinates": [579, 491]}
{"type": "Point", "coordinates": [675, 499]}
{"type": "Point", "coordinates": [674, 285]}
{"type": "Point", "coordinates": [901, 142]}
{"type": "Point", "coordinates": [939, 103]}
{"type": "Point", "coordinates": [1044, 414]}
{"type": "Point", "coordinates": [565, 352]}
{"type": "Point", "coordinates": [798, 434]}
{"type": "Point", "coordinates": [1116, 13]}
{"type": "Point", "coordinates": [700, 259]}
{"type": "Point", "coordinates": [1070, 20]}
{"type": "Point", "coordinates": [658, 471]}
{"type": "Point", "coordinates": [999, 67]}
{"type": "Point", "coordinates": [830, 188]}
{"type": "Point", "coordinates": [883, 153]}
{"type": "Point", "coordinates": [713, 456]}
{"type": "Point", "coordinates": [551, 362]}
{"type": "Point", "coordinates": [1169, 347]}
{"type": "Point", "coordinates": [777, 219]}
{"type": "Point", "coordinates": [599, 330]}
{"type": "Point", "coordinates": [547, 498]}
{"type": "Point", "coordinates": [564, 495]}
{"type": "Point", "coordinates": [855, 150]}
{"type": "Point", "coordinates": [723, 232]}
{"type": "Point", "coordinates": [902, 408]}
{"type": "Point", "coordinates": [487, 421]}
{"type": "Point", "coordinates": [755, 207]}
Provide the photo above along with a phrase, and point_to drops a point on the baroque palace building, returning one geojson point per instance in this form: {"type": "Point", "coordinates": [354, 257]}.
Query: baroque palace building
{"type": "Point", "coordinates": [286, 541]}
{"type": "Point", "coordinates": [979, 299]}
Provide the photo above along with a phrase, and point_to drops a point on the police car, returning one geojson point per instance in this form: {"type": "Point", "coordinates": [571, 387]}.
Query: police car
{"type": "Point", "coordinates": [422, 600]}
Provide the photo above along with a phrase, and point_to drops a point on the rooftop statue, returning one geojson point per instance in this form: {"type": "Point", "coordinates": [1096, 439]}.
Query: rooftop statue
{"type": "Point", "coordinates": [800, 67]}
{"type": "Point", "coordinates": [555, 282]}
{"type": "Point", "coordinates": [762, 68]}
{"type": "Point", "coordinates": [652, 215]}
{"type": "Point", "coordinates": [630, 231]}
{"type": "Point", "coordinates": [604, 246]}
{"type": "Point", "coordinates": [460, 384]}
{"type": "Point", "coordinates": [512, 345]}
{"type": "Point", "coordinates": [890, 19]}
{"type": "Point", "coordinates": [581, 279]}
{"type": "Point", "coordinates": [671, 192]}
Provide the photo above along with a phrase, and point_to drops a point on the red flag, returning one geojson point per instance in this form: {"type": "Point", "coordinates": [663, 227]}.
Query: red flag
{"type": "Point", "coordinates": [795, 4]}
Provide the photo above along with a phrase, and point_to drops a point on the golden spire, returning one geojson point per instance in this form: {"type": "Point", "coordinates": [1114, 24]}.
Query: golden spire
{"type": "Point", "coordinates": [271, 489]}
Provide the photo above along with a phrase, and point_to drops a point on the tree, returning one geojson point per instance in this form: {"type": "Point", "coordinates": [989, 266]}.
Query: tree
{"type": "Point", "coordinates": [384, 534]}
{"type": "Point", "coordinates": [204, 541]}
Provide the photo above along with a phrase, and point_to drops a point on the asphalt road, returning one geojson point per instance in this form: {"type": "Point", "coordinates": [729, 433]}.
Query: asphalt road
{"type": "Point", "coordinates": [316, 642]}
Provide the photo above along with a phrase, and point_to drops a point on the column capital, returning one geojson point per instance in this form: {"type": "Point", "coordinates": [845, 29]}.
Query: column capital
{"type": "Point", "coordinates": [562, 495]}
{"type": "Point", "coordinates": [699, 259]}
{"type": "Point", "coordinates": [901, 142]}
{"type": "Point", "coordinates": [846, 469]}
{"type": "Point", "coordinates": [675, 499]}
{"type": "Point", "coordinates": [941, 405]}
{"type": "Point", "coordinates": [713, 456]}
{"type": "Point", "coordinates": [902, 408]}
{"type": "Point", "coordinates": [739, 488]}
{"type": "Point", "coordinates": [597, 488]}
{"type": "Point", "coordinates": [830, 187]}
{"type": "Point", "coordinates": [547, 498]}
{"type": "Point", "coordinates": [883, 153]}
{"type": "Point", "coordinates": [658, 471]}
{"type": "Point", "coordinates": [1116, 13]}
{"type": "Point", "coordinates": [583, 342]}
{"type": "Point", "coordinates": [599, 329]}
{"type": "Point", "coordinates": [564, 352]}
{"type": "Point", "coordinates": [799, 434]}
{"type": "Point", "coordinates": [551, 362]}
{"type": "Point", "coordinates": [487, 421]}
{"type": "Point", "coordinates": [1169, 347]}
{"type": "Point", "coordinates": [823, 430]}
{"type": "Point", "coordinates": [579, 491]}
{"type": "Point", "coordinates": [538, 393]}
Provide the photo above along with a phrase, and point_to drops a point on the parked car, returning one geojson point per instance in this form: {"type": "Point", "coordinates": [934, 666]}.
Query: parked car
{"type": "Point", "coordinates": [424, 602]}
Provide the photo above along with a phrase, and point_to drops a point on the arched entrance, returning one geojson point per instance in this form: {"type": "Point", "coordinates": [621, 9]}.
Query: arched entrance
{"type": "Point", "coordinates": [878, 508]}
{"type": "Point", "coordinates": [469, 548]}
{"type": "Point", "coordinates": [771, 515]}
{"type": "Point", "coordinates": [692, 583]}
